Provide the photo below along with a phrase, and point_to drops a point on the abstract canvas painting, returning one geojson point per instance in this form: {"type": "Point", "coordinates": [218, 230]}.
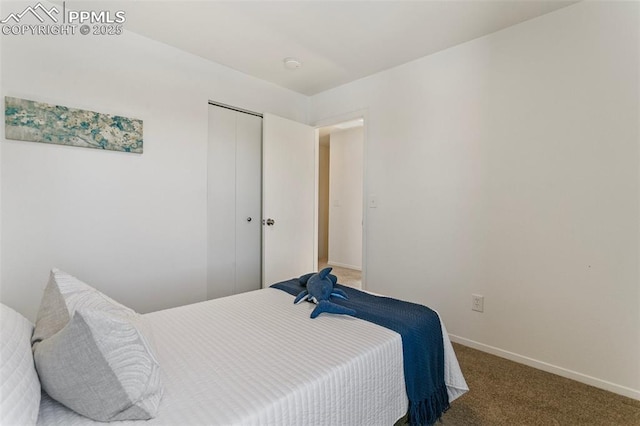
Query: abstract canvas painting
{"type": "Point", "coordinates": [40, 122]}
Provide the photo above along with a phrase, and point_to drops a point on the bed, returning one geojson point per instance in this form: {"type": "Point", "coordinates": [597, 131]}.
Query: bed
{"type": "Point", "coordinates": [256, 358]}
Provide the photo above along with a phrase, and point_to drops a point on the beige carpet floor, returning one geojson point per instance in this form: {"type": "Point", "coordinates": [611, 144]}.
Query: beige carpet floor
{"type": "Point", "coordinates": [503, 392]}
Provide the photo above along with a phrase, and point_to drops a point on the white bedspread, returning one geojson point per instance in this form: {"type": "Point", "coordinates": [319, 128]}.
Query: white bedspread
{"type": "Point", "coordinates": [256, 358]}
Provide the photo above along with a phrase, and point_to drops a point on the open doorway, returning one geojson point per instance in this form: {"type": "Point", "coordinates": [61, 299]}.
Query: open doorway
{"type": "Point", "coordinates": [340, 200]}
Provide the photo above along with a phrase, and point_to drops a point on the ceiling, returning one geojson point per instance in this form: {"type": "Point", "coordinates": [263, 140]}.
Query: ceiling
{"type": "Point", "coordinates": [337, 41]}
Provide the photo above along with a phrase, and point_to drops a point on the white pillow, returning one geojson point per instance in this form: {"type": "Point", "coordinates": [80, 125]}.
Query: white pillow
{"type": "Point", "coordinates": [93, 354]}
{"type": "Point", "coordinates": [19, 384]}
{"type": "Point", "coordinates": [63, 295]}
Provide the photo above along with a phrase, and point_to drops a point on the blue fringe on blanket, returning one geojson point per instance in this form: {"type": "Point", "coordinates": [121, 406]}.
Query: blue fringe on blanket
{"type": "Point", "coordinates": [422, 346]}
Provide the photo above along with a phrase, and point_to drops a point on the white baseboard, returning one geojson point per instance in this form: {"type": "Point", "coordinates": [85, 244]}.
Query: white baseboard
{"type": "Point", "coordinates": [343, 265]}
{"type": "Point", "coordinates": [540, 365]}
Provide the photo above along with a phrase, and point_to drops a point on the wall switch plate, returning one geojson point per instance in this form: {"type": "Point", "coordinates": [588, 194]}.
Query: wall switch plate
{"type": "Point", "coordinates": [477, 303]}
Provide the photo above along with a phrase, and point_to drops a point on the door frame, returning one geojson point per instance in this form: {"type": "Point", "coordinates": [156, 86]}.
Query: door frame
{"type": "Point", "coordinates": [330, 121]}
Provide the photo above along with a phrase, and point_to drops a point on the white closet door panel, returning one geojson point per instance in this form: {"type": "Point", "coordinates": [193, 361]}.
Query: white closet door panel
{"type": "Point", "coordinates": [289, 199]}
{"type": "Point", "coordinates": [248, 202]}
{"type": "Point", "coordinates": [221, 200]}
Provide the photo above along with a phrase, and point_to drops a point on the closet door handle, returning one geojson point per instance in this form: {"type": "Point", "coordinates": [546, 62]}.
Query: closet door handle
{"type": "Point", "coordinates": [249, 219]}
{"type": "Point", "coordinates": [270, 222]}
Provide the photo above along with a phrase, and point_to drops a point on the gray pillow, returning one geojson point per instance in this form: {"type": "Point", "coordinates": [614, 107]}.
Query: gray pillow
{"type": "Point", "coordinates": [94, 355]}
{"type": "Point", "coordinates": [101, 366]}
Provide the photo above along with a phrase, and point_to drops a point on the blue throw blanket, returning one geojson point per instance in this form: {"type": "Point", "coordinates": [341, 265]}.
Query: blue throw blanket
{"type": "Point", "coordinates": [422, 346]}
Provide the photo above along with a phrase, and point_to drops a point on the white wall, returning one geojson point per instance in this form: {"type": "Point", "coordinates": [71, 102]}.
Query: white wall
{"type": "Point", "coordinates": [345, 194]}
{"type": "Point", "coordinates": [508, 166]}
{"type": "Point", "coordinates": [134, 226]}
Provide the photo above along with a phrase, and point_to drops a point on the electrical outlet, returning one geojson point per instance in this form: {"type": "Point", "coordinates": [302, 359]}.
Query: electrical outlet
{"type": "Point", "coordinates": [477, 303]}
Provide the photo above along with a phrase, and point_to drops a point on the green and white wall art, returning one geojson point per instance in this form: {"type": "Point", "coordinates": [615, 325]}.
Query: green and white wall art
{"type": "Point", "coordinates": [40, 122]}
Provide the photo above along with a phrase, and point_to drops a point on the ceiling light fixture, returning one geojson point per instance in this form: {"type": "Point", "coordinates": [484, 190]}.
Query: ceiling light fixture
{"type": "Point", "coordinates": [292, 63]}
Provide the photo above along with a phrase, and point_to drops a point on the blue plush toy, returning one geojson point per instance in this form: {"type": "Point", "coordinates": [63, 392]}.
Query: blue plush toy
{"type": "Point", "coordinates": [320, 287]}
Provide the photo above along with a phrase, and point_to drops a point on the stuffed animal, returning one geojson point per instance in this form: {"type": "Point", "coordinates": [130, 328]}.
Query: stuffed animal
{"type": "Point", "coordinates": [320, 288]}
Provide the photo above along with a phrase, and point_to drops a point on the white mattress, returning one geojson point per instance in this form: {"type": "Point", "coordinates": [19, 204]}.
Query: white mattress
{"type": "Point", "coordinates": [256, 358]}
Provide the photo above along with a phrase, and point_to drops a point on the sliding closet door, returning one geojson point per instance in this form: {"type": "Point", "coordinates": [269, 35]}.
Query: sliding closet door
{"type": "Point", "coordinates": [233, 202]}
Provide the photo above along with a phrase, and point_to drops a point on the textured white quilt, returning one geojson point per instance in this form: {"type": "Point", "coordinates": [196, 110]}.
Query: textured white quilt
{"type": "Point", "coordinates": [256, 358]}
